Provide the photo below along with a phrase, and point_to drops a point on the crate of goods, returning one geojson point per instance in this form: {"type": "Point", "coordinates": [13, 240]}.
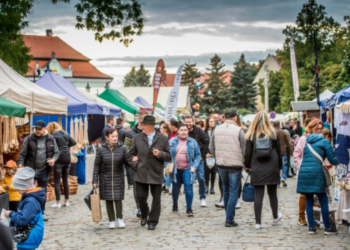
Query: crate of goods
{"type": "Point", "coordinates": [26, 128]}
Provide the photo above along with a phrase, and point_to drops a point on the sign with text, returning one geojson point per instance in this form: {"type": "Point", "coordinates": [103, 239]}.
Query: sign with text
{"type": "Point", "coordinates": [171, 105]}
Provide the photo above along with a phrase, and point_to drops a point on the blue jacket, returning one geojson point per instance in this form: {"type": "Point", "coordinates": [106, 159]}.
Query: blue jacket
{"type": "Point", "coordinates": [30, 212]}
{"type": "Point", "coordinates": [193, 156]}
{"type": "Point", "coordinates": [311, 178]}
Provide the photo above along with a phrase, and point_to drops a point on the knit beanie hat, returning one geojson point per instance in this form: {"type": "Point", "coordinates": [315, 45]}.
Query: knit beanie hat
{"type": "Point", "coordinates": [24, 179]}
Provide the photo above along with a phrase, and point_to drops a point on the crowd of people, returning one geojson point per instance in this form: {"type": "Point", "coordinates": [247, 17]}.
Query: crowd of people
{"type": "Point", "coordinates": [184, 150]}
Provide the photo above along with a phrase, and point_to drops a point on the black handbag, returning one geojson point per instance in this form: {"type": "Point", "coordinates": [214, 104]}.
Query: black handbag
{"type": "Point", "coordinates": [87, 199]}
{"type": "Point", "coordinates": [263, 148]}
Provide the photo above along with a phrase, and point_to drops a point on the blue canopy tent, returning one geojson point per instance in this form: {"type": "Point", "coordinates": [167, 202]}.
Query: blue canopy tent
{"type": "Point", "coordinates": [78, 104]}
{"type": "Point", "coordinates": [339, 97]}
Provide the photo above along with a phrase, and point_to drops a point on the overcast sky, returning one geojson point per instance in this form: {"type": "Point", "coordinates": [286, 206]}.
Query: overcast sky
{"type": "Point", "coordinates": [179, 31]}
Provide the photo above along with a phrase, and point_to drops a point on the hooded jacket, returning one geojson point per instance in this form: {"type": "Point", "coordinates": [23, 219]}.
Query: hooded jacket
{"type": "Point", "coordinates": [311, 178]}
{"type": "Point", "coordinates": [30, 212]}
{"type": "Point", "coordinates": [201, 138]}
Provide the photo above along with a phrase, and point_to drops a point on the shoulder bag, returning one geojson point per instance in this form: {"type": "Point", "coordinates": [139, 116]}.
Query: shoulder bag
{"type": "Point", "coordinates": [248, 193]}
{"type": "Point", "coordinates": [170, 167]}
{"type": "Point", "coordinates": [263, 148]}
{"type": "Point", "coordinates": [326, 174]}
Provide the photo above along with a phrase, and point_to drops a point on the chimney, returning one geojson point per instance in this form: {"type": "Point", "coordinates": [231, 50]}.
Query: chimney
{"type": "Point", "coordinates": [49, 32]}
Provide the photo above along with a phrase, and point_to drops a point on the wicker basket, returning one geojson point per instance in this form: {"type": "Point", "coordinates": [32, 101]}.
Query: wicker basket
{"type": "Point", "coordinates": [73, 188]}
{"type": "Point", "coordinates": [26, 129]}
{"type": "Point", "coordinates": [20, 130]}
{"type": "Point", "coordinates": [50, 193]}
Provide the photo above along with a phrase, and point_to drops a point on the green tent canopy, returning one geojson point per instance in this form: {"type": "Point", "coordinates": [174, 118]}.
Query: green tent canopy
{"type": "Point", "coordinates": [118, 99]}
{"type": "Point", "coordinates": [160, 106]}
{"type": "Point", "coordinates": [10, 108]}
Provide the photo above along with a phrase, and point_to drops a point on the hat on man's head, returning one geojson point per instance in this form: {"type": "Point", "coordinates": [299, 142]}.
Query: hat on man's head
{"type": "Point", "coordinates": [40, 124]}
{"type": "Point", "coordinates": [24, 179]}
{"type": "Point", "coordinates": [230, 113]}
{"type": "Point", "coordinates": [149, 119]}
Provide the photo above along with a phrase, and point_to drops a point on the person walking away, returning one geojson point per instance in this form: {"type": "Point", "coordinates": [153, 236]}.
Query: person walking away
{"type": "Point", "coordinates": [121, 130]}
{"type": "Point", "coordinates": [227, 145]}
{"type": "Point", "coordinates": [264, 171]}
{"type": "Point", "coordinates": [40, 152]}
{"type": "Point", "coordinates": [14, 196]}
{"type": "Point", "coordinates": [203, 141]}
{"type": "Point", "coordinates": [210, 174]}
{"type": "Point", "coordinates": [186, 156]}
{"type": "Point", "coordinates": [286, 149]}
{"type": "Point", "coordinates": [61, 168]}
{"type": "Point", "coordinates": [30, 208]}
{"type": "Point", "coordinates": [126, 126]}
{"type": "Point", "coordinates": [148, 152]}
{"type": "Point", "coordinates": [311, 179]}
{"type": "Point", "coordinates": [174, 127]}
{"type": "Point", "coordinates": [315, 126]}
{"type": "Point", "coordinates": [165, 130]}
{"type": "Point", "coordinates": [110, 124]}
{"type": "Point", "coordinates": [109, 176]}
{"type": "Point", "coordinates": [129, 136]}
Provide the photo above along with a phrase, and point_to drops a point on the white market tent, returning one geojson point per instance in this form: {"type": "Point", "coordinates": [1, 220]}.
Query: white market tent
{"type": "Point", "coordinates": [128, 117]}
{"type": "Point", "coordinates": [131, 93]}
{"type": "Point", "coordinates": [37, 100]}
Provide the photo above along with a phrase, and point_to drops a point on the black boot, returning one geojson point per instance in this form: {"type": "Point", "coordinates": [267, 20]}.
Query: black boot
{"type": "Point", "coordinates": [175, 209]}
{"type": "Point", "coordinates": [212, 190]}
{"type": "Point", "coordinates": [189, 212]}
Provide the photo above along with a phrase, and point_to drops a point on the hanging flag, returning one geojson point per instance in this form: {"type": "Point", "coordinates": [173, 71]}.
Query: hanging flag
{"type": "Point", "coordinates": [294, 70]}
{"type": "Point", "coordinates": [157, 80]}
{"type": "Point", "coordinates": [171, 105]}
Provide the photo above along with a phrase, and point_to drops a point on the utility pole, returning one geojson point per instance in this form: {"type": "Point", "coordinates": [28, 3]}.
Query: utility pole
{"type": "Point", "coordinates": [266, 85]}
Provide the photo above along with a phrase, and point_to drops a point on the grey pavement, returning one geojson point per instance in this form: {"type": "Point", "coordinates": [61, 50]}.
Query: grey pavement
{"type": "Point", "coordinates": [72, 227]}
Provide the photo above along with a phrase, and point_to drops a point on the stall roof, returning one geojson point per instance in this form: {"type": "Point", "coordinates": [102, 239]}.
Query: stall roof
{"type": "Point", "coordinates": [140, 100]}
{"type": "Point", "coordinates": [118, 99]}
{"type": "Point", "coordinates": [40, 100]}
{"type": "Point", "coordinates": [325, 95]}
{"type": "Point", "coordinates": [78, 103]}
{"type": "Point", "coordinates": [304, 105]}
{"type": "Point", "coordinates": [160, 106]}
{"type": "Point", "coordinates": [11, 108]}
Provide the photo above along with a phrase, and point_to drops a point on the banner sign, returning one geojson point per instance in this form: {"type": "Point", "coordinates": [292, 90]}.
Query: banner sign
{"type": "Point", "coordinates": [294, 70]}
{"type": "Point", "coordinates": [158, 78]}
{"type": "Point", "coordinates": [171, 105]}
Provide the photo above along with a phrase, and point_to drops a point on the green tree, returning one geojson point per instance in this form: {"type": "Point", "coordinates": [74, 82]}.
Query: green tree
{"type": "Point", "coordinates": [143, 77]}
{"type": "Point", "coordinates": [130, 78]}
{"type": "Point", "coordinates": [243, 90]}
{"type": "Point", "coordinates": [189, 78]}
{"type": "Point", "coordinates": [108, 19]}
{"type": "Point", "coordinates": [216, 96]}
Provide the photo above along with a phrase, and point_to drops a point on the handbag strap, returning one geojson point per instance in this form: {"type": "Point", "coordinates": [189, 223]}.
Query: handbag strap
{"type": "Point", "coordinates": [317, 156]}
{"type": "Point", "coordinates": [178, 152]}
{"type": "Point", "coordinates": [247, 177]}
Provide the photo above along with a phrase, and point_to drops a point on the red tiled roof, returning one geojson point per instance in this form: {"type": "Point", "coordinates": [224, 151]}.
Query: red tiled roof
{"type": "Point", "coordinates": [42, 47]}
{"type": "Point", "coordinates": [80, 69]}
{"type": "Point", "coordinates": [171, 78]}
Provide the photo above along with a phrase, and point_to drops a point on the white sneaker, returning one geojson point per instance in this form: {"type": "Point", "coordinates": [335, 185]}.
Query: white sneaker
{"type": "Point", "coordinates": [284, 183]}
{"type": "Point", "coordinates": [66, 204]}
{"type": "Point", "coordinates": [257, 226]}
{"type": "Point", "coordinates": [111, 225]}
{"type": "Point", "coordinates": [280, 216]}
{"type": "Point", "coordinates": [56, 205]}
{"type": "Point", "coordinates": [203, 203]}
{"type": "Point", "coordinates": [121, 223]}
{"type": "Point", "coordinates": [220, 204]}
{"type": "Point", "coordinates": [238, 205]}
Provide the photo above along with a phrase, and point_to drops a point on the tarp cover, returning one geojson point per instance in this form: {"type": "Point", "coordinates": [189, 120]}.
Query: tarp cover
{"type": "Point", "coordinates": [11, 108]}
{"type": "Point", "coordinates": [78, 103]}
{"type": "Point", "coordinates": [16, 88]}
{"type": "Point", "coordinates": [118, 99]}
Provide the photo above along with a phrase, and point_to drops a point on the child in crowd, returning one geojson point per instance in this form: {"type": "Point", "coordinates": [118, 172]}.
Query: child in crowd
{"type": "Point", "coordinates": [6, 184]}
{"type": "Point", "coordinates": [28, 221]}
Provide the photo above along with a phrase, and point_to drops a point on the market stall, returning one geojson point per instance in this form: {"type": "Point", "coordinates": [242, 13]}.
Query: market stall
{"type": "Point", "coordinates": [118, 99]}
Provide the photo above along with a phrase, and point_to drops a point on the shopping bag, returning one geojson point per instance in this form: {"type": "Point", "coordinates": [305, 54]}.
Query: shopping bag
{"type": "Point", "coordinates": [87, 199]}
{"type": "Point", "coordinates": [96, 207]}
{"type": "Point", "coordinates": [248, 193]}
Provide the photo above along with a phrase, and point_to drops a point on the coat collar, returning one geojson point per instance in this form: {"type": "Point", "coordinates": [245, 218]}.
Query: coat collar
{"type": "Point", "coordinates": [155, 138]}
{"type": "Point", "coordinates": [230, 122]}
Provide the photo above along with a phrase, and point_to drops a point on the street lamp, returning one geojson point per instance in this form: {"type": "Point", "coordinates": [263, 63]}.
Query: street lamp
{"type": "Point", "coordinates": [88, 88]}
{"type": "Point", "coordinates": [266, 85]}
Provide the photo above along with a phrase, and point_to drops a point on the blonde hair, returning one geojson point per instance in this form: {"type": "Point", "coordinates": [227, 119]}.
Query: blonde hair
{"type": "Point", "coordinates": [240, 123]}
{"type": "Point", "coordinates": [261, 125]}
{"type": "Point", "coordinates": [52, 127]}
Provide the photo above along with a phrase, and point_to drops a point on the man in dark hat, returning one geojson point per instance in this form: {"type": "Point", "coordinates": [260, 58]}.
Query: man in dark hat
{"type": "Point", "coordinates": [39, 151]}
{"type": "Point", "coordinates": [148, 152]}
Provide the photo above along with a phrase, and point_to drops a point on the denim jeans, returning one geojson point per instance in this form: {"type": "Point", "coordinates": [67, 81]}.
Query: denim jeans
{"type": "Point", "coordinates": [201, 180]}
{"type": "Point", "coordinates": [42, 178]}
{"type": "Point", "coordinates": [183, 177]}
{"type": "Point", "coordinates": [284, 167]}
{"type": "Point", "coordinates": [323, 199]}
{"type": "Point", "coordinates": [231, 181]}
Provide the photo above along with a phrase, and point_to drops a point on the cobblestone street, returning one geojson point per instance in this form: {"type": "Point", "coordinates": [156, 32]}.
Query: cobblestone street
{"type": "Point", "coordinates": [72, 227]}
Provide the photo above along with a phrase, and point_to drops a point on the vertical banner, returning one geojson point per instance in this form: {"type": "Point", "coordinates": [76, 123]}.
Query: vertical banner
{"type": "Point", "coordinates": [157, 80]}
{"type": "Point", "coordinates": [171, 105]}
{"type": "Point", "coordinates": [294, 70]}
